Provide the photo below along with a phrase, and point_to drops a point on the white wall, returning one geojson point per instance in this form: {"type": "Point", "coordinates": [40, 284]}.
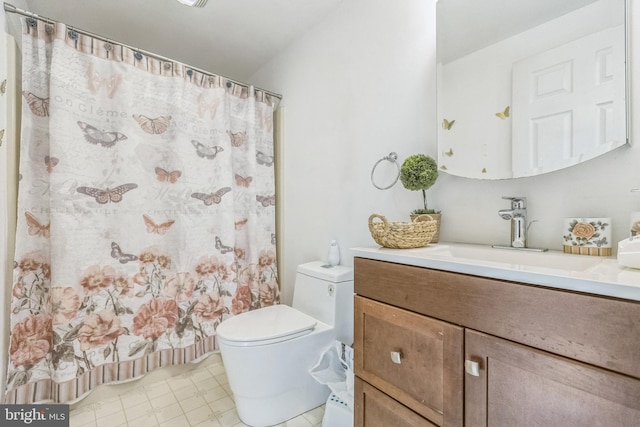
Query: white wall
{"type": "Point", "coordinates": [362, 84]}
{"type": "Point", "coordinates": [359, 85]}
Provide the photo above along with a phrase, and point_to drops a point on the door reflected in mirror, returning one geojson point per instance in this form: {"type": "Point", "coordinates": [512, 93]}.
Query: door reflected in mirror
{"type": "Point", "coordinates": [527, 87]}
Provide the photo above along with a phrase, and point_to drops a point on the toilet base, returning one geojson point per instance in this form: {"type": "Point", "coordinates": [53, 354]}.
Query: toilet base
{"type": "Point", "coordinates": [273, 410]}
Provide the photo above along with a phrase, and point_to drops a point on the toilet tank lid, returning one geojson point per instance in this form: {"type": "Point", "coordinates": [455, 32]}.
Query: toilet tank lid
{"type": "Point", "coordinates": [268, 323]}
{"type": "Point", "coordinates": [320, 270]}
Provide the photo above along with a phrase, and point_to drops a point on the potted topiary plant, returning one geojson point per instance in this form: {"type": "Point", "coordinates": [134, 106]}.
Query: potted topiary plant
{"type": "Point", "coordinates": [420, 172]}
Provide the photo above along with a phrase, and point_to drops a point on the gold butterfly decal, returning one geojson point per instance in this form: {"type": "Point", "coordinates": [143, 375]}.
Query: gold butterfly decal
{"type": "Point", "coordinates": [38, 106]}
{"type": "Point", "coordinates": [222, 248]}
{"type": "Point", "coordinates": [154, 228]}
{"type": "Point", "coordinates": [206, 152]}
{"type": "Point", "coordinates": [3, 87]}
{"type": "Point", "coordinates": [96, 82]}
{"type": "Point", "coordinates": [238, 138]}
{"type": "Point", "coordinates": [239, 224]}
{"type": "Point", "coordinates": [122, 258]}
{"type": "Point", "coordinates": [51, 162]}
{"type": "Point", "coordinates": [242, 181]}
{"type": "Point", "coordinates": [107, 195]}
{"type": "Point", "coordinates": [449, 153]}
{"type": "Point", "coordinates": [166, 176]}
{"type": "Point", "coordinates": [204, 106]}
{"type": "Point", "coordinates": [35, 227]}
{"type": "Point", "coordinates": [211, 198]}
{"type": "Point", "coordinates": [153, 126]}
{"type": "Point", "coordinates": [443, 167]}
{"type": "Point", "coordinates": [484, 170]}
{"type": "Point", "coordinates": [446, 124]}
{"type": "Point", "coordinates": [264, 159]}
{"type": "Point", "coordinates": [1, 136]}
{"type": "Point", "coordinates": [504, 114]}
{"type": "Point", "coordinates": [266, 200]}
{"type": "Point", "coordinates": [96, 136]}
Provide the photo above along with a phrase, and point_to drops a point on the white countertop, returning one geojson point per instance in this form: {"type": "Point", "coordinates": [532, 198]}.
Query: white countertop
{"type": "Point", "coordinates": [590, 274]}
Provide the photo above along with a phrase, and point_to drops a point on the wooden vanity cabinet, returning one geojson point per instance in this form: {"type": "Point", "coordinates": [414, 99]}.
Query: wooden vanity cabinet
{"type": "Point", "coordinates": [534, 356]}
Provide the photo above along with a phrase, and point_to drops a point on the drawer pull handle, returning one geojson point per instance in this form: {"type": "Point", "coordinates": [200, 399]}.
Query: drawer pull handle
{"type": "Point", "coordinates": [396, 357]}
{"type": "Point", "coordinates": [472, 368]}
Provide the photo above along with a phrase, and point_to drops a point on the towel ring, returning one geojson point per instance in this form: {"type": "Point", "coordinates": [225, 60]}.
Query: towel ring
{"type": "Point", "coordinates": [393, 158]}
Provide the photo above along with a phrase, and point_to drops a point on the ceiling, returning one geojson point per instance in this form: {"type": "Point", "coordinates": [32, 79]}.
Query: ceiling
{"type": "Point", "coordinates": [232, 38]}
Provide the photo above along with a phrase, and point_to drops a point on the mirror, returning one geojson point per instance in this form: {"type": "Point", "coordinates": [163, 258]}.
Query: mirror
{"type": "Point", "coordinates": [527, 87]}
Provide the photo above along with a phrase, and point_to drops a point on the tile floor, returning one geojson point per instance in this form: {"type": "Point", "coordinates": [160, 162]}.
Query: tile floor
{"type": "Point", "coordinates": [185, 396]}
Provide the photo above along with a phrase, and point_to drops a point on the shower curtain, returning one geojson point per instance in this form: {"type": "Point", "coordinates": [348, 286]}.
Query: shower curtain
{"type": "Point", "coordinates": [145, 213]}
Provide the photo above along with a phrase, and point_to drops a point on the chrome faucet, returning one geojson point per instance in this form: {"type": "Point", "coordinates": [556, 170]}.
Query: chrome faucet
{"type": "Point", "coordinates": [518, 217]}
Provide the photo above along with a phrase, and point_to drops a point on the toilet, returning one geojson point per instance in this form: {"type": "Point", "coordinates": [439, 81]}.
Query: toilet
{"type": "Point", "coordinates": [267, 353]}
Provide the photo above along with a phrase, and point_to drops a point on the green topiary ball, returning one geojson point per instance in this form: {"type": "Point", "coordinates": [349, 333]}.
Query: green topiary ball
{"type": "Point", "coordinates": [418, 172]}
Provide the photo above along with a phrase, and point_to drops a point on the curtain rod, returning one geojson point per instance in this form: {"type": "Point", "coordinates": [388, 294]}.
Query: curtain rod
{"type": "Point", "coordinates": [12, 9]}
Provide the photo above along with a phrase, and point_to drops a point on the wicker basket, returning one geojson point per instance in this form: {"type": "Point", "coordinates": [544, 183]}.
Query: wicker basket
{"type": "Point", "coordinates": [402, 235]}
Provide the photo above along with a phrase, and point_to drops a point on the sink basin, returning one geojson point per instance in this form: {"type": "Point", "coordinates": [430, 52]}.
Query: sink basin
{"type": "Point", "coordinates": [551, 259]}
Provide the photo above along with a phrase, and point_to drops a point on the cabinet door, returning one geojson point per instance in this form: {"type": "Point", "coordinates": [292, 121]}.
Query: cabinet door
{"type": "Point", "coordinates": [518, 386]}
{"type": "Point", "coordinates": [375, 409]}
{"type": "Point", "coordinates": [416, 360]}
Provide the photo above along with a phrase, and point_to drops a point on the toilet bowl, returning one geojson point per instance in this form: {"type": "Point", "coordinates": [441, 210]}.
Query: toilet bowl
{"type": "Point", "coordinates": [267, 353]}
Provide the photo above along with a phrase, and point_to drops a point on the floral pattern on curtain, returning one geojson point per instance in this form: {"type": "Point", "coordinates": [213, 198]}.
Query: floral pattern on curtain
{"type": "Point", "coordinates": [146, 214]}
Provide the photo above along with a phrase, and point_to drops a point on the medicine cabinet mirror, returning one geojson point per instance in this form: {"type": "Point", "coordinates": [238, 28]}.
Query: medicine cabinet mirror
{"type": "Point", "coordinates": [527, 87]}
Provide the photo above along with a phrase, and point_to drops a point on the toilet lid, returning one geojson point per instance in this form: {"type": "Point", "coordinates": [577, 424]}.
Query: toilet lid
{"type": "Point", "coordinates": [274, 323]}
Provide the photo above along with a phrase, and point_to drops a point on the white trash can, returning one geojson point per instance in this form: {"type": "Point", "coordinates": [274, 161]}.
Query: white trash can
{"type": "Point", "coordinates": [335, 369]}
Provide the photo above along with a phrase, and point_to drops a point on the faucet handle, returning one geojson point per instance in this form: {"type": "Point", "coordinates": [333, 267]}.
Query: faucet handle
{"type": "Point", "coordinates": [517, 202]}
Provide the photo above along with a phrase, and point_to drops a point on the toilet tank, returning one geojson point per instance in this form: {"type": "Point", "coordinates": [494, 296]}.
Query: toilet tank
{"type": "Point", "coordinates": [326, 293]}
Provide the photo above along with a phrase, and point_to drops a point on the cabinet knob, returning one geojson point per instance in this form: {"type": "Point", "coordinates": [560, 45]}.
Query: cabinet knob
{"type": "Point", "coordinates": [472, 368]}
{"type": "Point", "coordinates": [396, 357]}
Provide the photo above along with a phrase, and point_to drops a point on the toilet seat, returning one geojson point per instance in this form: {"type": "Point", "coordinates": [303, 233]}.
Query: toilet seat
{"type": "Point", "coordinates": [264, 326]}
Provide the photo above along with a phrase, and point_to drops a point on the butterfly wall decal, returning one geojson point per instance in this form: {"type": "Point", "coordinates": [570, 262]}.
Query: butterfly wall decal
{"type": "Point", "coordinates": [1, 136]}
{"type": "Point", "coordinates": [154, 228]}
{"type": "Point", "coordinates": [35, 227]}
{"type": "Point", "coordinates": [206, 152]}
{"type": "Point", "coordinates": [96, 82]}
{"type": "Point", "coordinates": [3, 87]}
{"type": "Point", "coordinates": [449, 153]}
{"type": "Point", "coordinates": [117, 253]}
{"type": "Point", "coordinates": [222, 248]}
{"type": "Point", "coordinates": [238, 138]}
{"type": "Point", "coordinates": [204, 107]}
{"type": "Point", "coordinates": [165, 176]}
{"type": "Point", "coordinates": [503, 114]}
{"type": "Point", "coordinates": [264, 159]}
{"type": "Point", "coordinates": [153, 126]}
{"type": "Point", "coordinates": [51, 162]}
{"type": "Point", "coordinates": [38, 106]}
{"type": "Point", "coordinates": [447, 125]}
{"type": "Point", "coordinates": [211, 198]}
{"type": "Point", "coordinates": [266, 200]}
{"type": "Point", "coordinates": [96, 136]}
{"type": "Point", "coordinates": [107, 195]}
{"type": "Point", "coordinates": [239, 224]}
{"type": "Point", "coordinates": [273, 238]}
{"type": "Point", "coordinates": [243, 181]}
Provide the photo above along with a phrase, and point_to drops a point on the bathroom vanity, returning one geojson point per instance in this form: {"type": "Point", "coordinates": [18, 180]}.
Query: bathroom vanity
{"type": "Point", "coordinates": [454, 335]}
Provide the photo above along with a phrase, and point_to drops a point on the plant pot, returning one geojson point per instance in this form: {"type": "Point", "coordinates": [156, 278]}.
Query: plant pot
{"type": "Point", "coordinates": [437, 217]}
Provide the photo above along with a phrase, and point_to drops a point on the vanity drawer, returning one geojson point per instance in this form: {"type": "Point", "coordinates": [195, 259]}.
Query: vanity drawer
{"type": "Point", "coordinates": [375, 409]}
{"type": "Point", "coordinates": [415, 359]}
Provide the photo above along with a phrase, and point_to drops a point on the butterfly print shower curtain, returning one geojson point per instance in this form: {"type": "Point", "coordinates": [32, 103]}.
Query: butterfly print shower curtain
{"type": "Point", "coordinates": [135, 236]}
